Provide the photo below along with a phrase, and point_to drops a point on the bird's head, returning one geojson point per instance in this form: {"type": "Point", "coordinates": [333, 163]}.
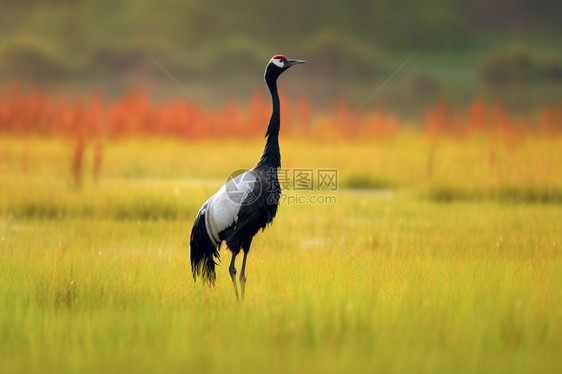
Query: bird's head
{"type": "Point", "coordinates": [277, 65]}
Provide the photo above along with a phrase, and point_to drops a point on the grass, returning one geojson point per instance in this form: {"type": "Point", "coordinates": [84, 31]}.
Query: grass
{"type": "Point", "coordinates": [88, 278]}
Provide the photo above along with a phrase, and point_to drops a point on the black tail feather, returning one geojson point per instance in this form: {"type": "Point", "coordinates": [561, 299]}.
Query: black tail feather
{"type": "Point", "coordinates": [203, 251]}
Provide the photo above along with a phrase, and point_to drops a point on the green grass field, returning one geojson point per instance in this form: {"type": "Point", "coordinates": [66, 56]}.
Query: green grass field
{"type": "Point", "coordinates": [469, 258]}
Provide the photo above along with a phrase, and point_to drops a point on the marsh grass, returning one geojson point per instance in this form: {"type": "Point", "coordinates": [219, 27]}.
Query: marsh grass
{"type": "Point", "coordinates": [84, 273]}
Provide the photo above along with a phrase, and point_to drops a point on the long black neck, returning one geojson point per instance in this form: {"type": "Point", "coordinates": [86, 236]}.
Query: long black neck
{"type": "Point", "coordinates": [271, 156]}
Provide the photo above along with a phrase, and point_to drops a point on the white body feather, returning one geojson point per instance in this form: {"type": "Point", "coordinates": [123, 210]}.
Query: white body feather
{"type": "Point", "coordinates": [221, 210]}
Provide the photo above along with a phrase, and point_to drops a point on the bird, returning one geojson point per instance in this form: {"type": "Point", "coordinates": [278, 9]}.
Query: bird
{"type": "Point", "coordinates": [246, 203]}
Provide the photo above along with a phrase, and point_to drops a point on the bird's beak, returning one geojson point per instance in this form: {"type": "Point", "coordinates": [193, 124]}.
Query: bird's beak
{"type": "Point", "coordinates": [290, 63]}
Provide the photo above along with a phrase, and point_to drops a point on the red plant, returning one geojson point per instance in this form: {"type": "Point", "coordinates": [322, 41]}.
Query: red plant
{"type": "Point", "coordinates": [34, 112]}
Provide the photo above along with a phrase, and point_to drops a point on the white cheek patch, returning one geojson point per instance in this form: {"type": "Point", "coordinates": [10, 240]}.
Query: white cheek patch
{"type": "Point", "coordinates": [277, 62]}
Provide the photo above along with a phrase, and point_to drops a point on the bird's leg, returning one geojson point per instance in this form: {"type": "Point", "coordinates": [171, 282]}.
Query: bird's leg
{"type": "Point", "coordinates": [243, 274]}
{"type": "Point", "coordinates": [232, 271]}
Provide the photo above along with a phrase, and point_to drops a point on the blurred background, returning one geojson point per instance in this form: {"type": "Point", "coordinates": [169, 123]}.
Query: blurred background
{"type": "Point", "coordinates": [442, 118]}
{"type": "Point", "coordinates": [506, 51]}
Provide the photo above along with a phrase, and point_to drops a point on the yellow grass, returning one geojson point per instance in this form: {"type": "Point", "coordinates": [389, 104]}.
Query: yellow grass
{"type": "Point", "coordinates": [91, 279]}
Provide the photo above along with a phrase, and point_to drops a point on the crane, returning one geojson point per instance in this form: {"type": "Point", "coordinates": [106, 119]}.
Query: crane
{"type": "Point", "coordinates": [244, 204]}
